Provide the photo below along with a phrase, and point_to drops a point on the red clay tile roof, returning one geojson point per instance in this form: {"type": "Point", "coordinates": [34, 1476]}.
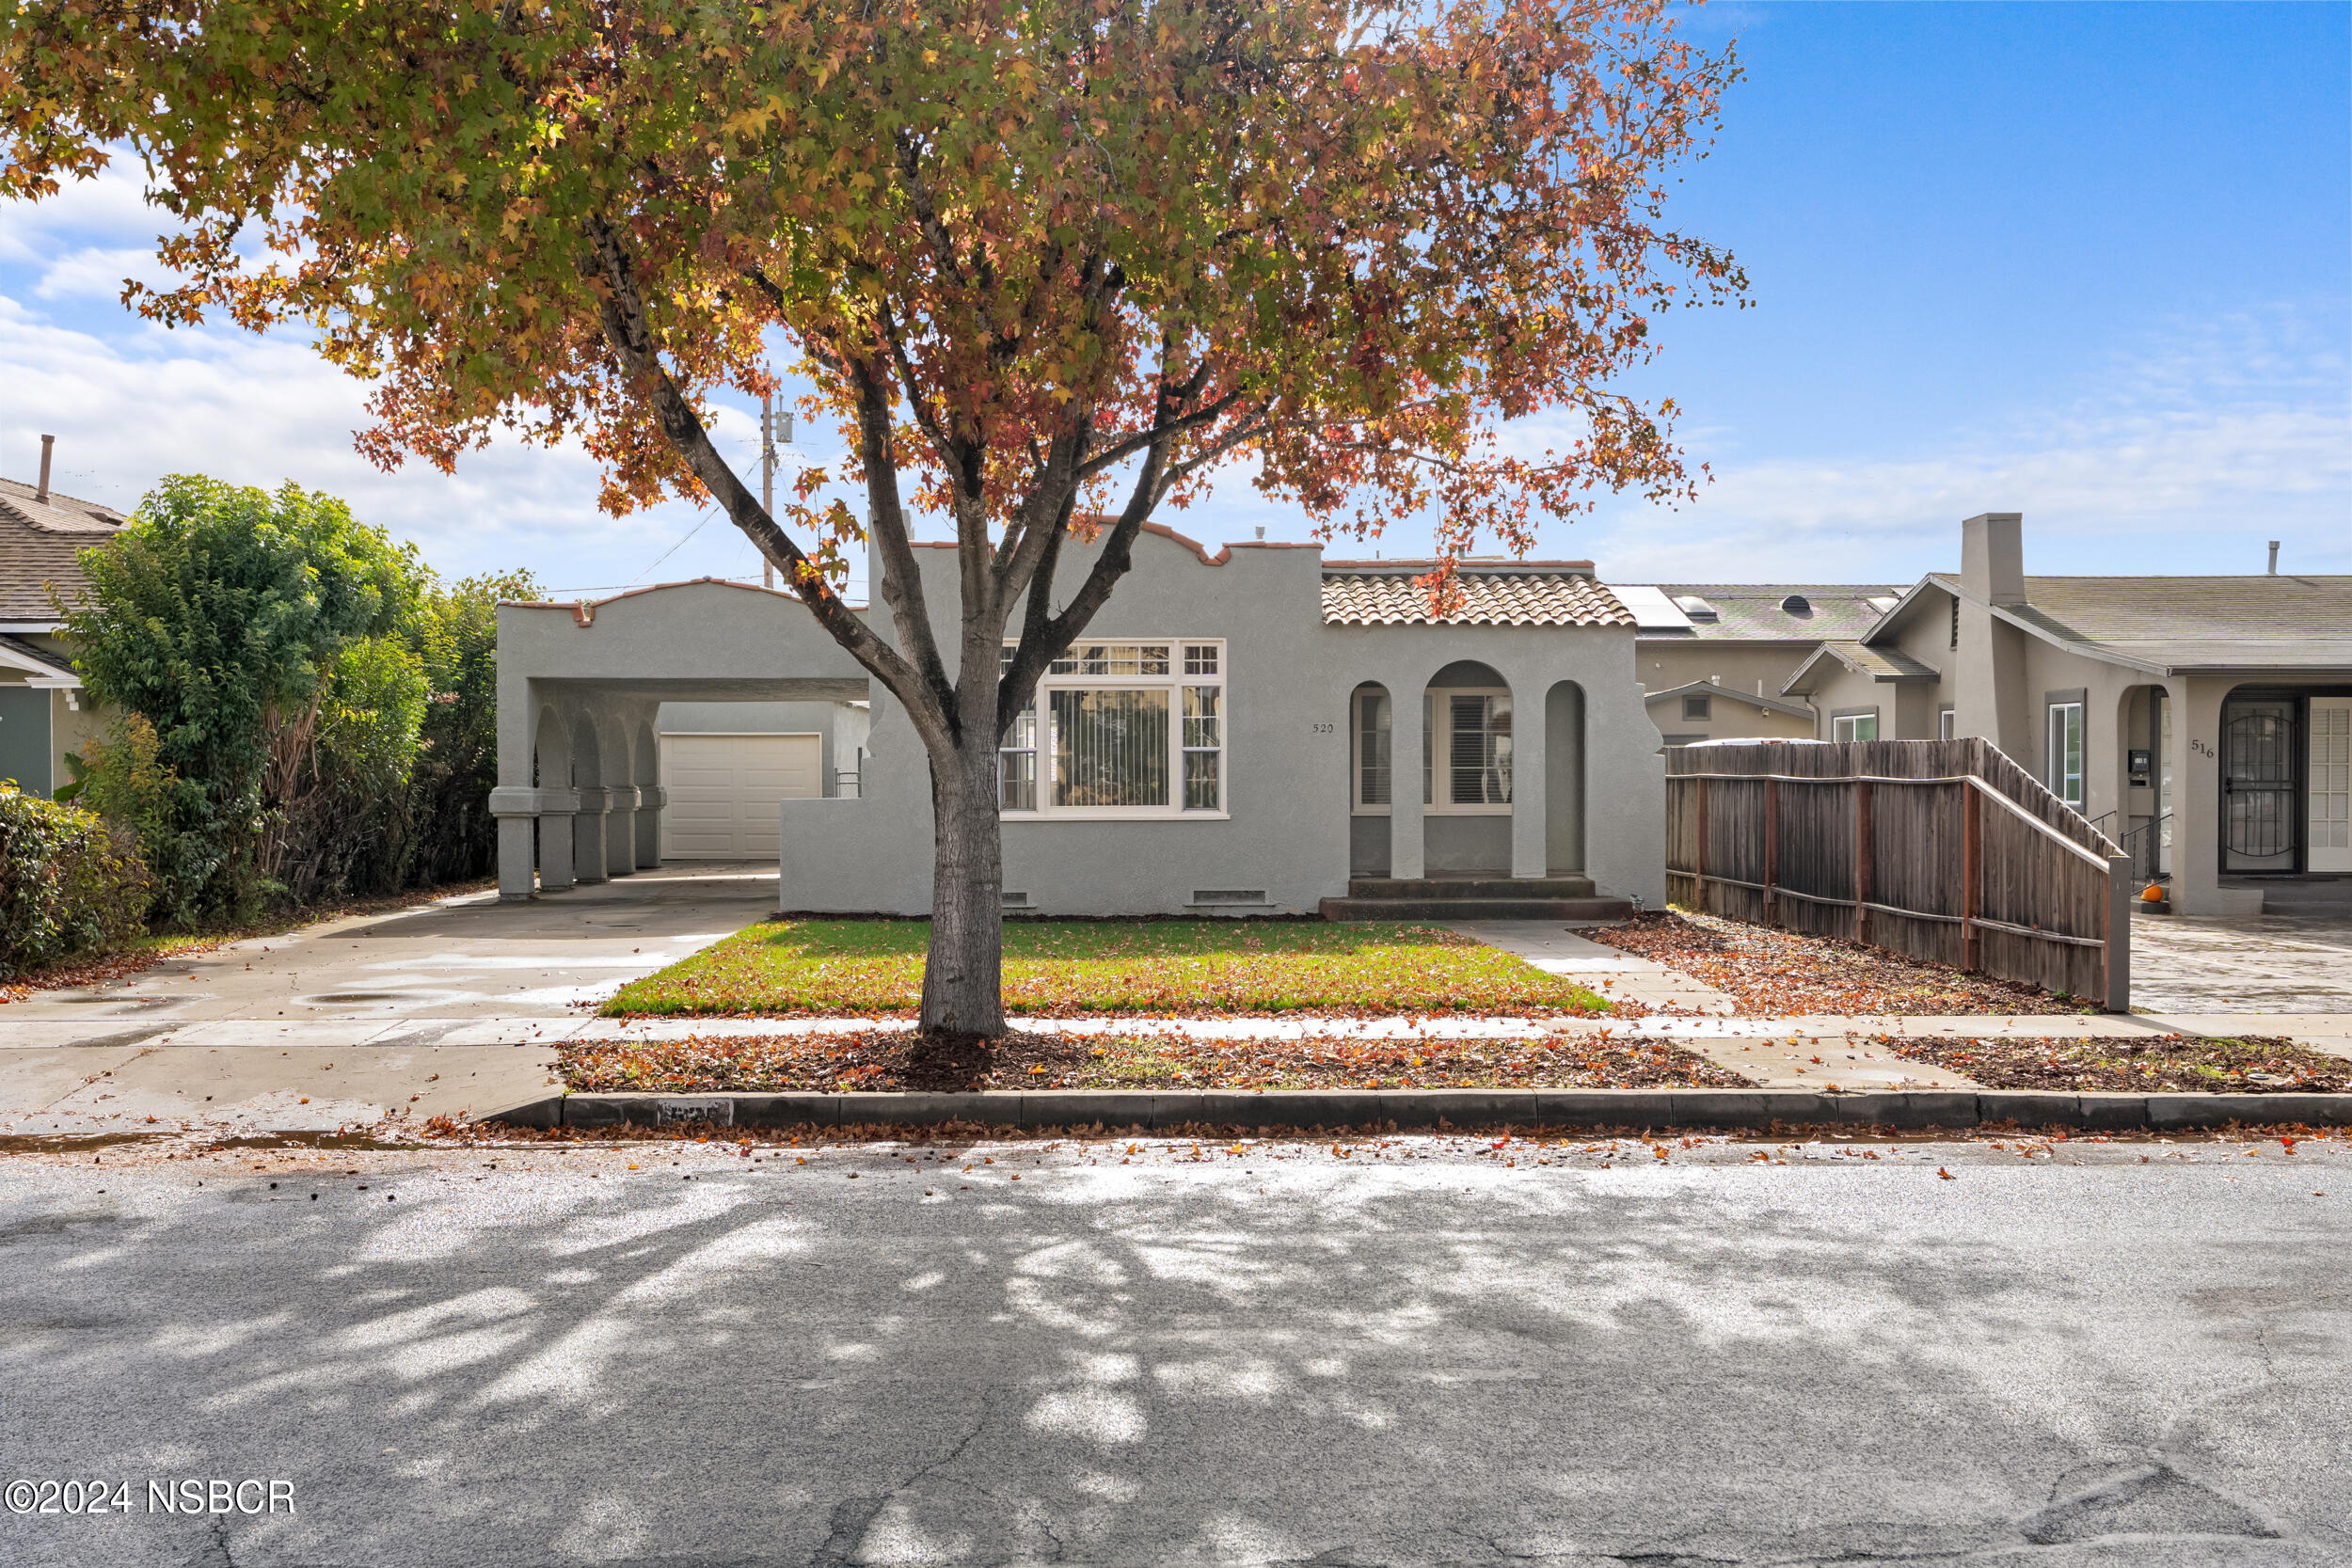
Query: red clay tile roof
{"type": "Point", "coordinates": [1518, 595]}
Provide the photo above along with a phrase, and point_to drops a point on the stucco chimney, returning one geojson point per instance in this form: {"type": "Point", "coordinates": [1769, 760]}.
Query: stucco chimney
{"type": "Point", "coordinates": [49, 444]}
{"type": "Point", "coordinates": [1992, 557]}
{"type": "Point", "coordinates": [2273, 558]}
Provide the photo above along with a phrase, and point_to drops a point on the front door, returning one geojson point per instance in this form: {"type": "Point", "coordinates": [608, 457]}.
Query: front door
{"type": "Point", "coordinates": [2330, 786]}
{"type": "Point", "coordinates": [2258, 786]}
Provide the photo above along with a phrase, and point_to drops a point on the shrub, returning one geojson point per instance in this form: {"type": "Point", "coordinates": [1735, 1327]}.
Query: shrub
{"type": "Point", "coordinates": [68, 886]}
{"type": "Point", "coordinates": [125, 779]}
{"type": "Point", "coordinates": [220, 614]}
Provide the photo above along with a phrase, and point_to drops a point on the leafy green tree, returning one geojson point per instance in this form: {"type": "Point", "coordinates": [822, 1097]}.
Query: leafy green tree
{"type": "Point", "coordinates": [219, 614]}
{"type": "Point", "coordinates": [1043, 260]}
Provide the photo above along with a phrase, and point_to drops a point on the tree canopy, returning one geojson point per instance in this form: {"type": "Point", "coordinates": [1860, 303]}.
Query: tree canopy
{"type": "Point", "coordinates": [1051, 264]}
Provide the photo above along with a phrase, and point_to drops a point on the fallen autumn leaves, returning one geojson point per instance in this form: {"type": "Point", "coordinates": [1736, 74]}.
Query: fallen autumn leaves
{"type": "Point", "coordinates": [2148, 1064]}
{"type": "Point", "coordinates": [1776, 974]}
{"type": "Point", "coordinates": [901, 1060]}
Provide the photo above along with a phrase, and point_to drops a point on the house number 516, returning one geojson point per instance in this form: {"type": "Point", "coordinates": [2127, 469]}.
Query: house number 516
{"type": "Point", "coordinates": [2201, 748]}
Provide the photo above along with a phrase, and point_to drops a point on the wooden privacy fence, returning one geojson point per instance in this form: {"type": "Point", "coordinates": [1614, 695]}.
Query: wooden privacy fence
{"type": "Point", "coordinates": [1939, 849]}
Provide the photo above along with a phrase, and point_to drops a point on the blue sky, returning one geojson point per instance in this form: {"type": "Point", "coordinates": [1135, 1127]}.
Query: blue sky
{"type": "Point", "coordinates": [2089, 262]}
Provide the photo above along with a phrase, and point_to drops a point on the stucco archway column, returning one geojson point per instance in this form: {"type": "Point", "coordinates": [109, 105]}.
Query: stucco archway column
{"type": "Point", "coordinates": [620, 829]}
{"type": "Point", "coordinates": [555, 809]}
{"type": "Point", "coordinates": [650, 800]}
{"type": "Point", "coordinates": [1529, 821]}
{"type": "Point", "coordinates": [517, 809]}
{"type": "Point", "coordinates": [588, 834]}
{"type": "Point", "coordinates": [1407, 844]}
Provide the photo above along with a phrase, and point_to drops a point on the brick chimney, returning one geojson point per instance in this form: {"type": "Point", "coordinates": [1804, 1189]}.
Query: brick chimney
{"type": "Point", "coordinates": [48, 446]}
{"type": "Point", "coordinates": [1992, 557]}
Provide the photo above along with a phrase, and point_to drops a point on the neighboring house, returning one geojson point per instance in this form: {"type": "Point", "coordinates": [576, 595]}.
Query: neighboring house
{"type": "Point", "coordinates": [1236, 733]}
{"type": "Point", "coordinates": [1743, 641]}
{"type": "Point", "coordinates": [43, 714]}
{"type": "Point", "coordinates": [2205, 722]}
{"type": "Point", "coordinates": [1703, 710]}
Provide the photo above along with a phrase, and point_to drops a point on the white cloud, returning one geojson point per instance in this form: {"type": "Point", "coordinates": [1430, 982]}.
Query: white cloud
{"type": "Point", "coordinates": [109, 207]}
{"type": "Point", "coordinates": [2182, 457]}
{"type": "Point", "coordinates": [131, 407]}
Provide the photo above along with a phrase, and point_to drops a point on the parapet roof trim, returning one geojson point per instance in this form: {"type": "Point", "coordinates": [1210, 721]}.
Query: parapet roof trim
{"type": "Point", "coordinates": [1487, 565]}
{"type": "Point", "coordinates": [583, 612]}
{"type": "Point", "coordinates": [1224, 554]}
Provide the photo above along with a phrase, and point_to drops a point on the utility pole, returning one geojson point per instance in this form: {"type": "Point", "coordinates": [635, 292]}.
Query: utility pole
{"type": "Point", "coordinates": [768, 476]}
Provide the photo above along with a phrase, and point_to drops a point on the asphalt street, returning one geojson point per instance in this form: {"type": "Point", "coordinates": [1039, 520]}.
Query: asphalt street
{"type": "Point", "coordinates": [1422, 1352]}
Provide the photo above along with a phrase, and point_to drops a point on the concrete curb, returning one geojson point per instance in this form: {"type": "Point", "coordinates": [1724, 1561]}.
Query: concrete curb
{"type": "Point", "coordinates": [1741, 1110]}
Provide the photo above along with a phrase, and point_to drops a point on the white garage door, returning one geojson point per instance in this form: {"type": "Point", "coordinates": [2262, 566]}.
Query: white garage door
{"type": "Point", "coordinates": [724, 790]}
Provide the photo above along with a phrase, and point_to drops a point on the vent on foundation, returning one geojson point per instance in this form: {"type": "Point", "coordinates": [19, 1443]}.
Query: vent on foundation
{"type": "Point", "coordinates": [1229, 895]}
{"type": "Point", "coordinates": [1016, 900]}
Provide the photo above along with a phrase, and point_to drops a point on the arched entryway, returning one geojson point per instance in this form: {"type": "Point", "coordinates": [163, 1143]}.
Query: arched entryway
{"type": "Point", "coordinates": [1467, 764]}
{"type": "Point", "coordinates": [1564, 780]}
{"type": "Point", "coordinates": [551, 769]}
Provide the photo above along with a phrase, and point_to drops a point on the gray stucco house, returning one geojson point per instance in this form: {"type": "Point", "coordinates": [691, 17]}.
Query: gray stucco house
{"type": "Point", "coordinates": [1237, 733]}
{"type": "Point", "coordinates": [2204, 723]}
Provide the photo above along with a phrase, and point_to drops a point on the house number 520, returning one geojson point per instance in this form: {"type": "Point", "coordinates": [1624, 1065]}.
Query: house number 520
{"type": "Point", "coordinates": [1326, 729]}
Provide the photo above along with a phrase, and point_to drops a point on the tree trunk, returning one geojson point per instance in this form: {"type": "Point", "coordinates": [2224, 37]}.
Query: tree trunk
{"type": "Point", "coordinates": [963, 978]}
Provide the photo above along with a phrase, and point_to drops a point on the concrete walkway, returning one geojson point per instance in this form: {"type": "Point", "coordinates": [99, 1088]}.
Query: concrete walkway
{"type": "Point", "coordinates": [1554, 947]}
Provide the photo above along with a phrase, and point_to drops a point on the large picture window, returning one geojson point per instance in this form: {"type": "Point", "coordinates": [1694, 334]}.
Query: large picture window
{"type": "Point", "coordinates": [1466, 753]}
{"type": "Point", "coordinates": [1120, 729]}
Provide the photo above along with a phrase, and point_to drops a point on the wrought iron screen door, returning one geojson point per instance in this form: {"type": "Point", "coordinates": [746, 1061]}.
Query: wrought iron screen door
{"type": "Point", "coordinates": [2258, 786]}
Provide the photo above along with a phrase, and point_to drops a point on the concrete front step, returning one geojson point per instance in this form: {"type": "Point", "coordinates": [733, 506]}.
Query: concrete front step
{"type": "Point", "coordinates": [1470, 885]}
{"type": "Point", "coordinates": [1476, 909]}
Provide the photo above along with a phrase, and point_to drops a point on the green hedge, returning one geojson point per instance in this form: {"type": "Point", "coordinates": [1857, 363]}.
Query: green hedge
{"type": "Point", "coordinates": [66, 887]}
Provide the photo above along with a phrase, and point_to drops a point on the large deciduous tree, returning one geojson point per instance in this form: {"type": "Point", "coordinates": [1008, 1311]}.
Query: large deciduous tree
{"type": "Point", "coordinates": [1051, 264]}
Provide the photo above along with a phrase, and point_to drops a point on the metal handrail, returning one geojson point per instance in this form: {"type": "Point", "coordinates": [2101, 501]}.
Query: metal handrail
{"type": "Point", "coordinates": [2144, 845]}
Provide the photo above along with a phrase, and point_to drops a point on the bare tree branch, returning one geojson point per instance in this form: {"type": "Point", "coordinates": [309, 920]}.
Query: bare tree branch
{"type": "Point", "coordinates": [626, 330]}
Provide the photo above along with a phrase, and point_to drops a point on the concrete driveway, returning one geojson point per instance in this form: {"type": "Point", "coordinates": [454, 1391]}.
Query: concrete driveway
{"type": "Point", "coordinates": [471, 957]}
{"type": "Point", "coordinates": [451, 1008]}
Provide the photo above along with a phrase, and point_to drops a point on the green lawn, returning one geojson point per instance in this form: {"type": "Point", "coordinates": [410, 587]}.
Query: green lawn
{"type": "Point", "coordinates": [872, 968]}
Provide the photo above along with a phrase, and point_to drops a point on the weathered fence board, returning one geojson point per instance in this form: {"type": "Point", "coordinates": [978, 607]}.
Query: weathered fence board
{"type": "Point", "coordinates": [1939, 850]}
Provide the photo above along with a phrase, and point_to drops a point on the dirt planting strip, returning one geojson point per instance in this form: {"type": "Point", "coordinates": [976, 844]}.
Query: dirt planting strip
{"type": "Point", "coordinates": [2148, 1063]}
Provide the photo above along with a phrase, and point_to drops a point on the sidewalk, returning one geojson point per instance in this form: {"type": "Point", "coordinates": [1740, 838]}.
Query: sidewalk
{"type": "Point", "coordinates": [459, 1008]}
{"type": "Point", "coordinates": [253, 1076]}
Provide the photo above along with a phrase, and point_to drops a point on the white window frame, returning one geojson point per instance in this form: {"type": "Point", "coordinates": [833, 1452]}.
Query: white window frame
{"type": "Point", "coordinates": [1947, 723]}
{"type": "Point", "coordinates": [1039, 713]}
{"type": "Point", "coordinates": [1437, 741]}
{"type": "Point", "coordinates": [2052, 737]}
{"type": "Point", "coordinates": [1356, 803]}
{"type": "Point", "coordinates": [1841, 725]}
